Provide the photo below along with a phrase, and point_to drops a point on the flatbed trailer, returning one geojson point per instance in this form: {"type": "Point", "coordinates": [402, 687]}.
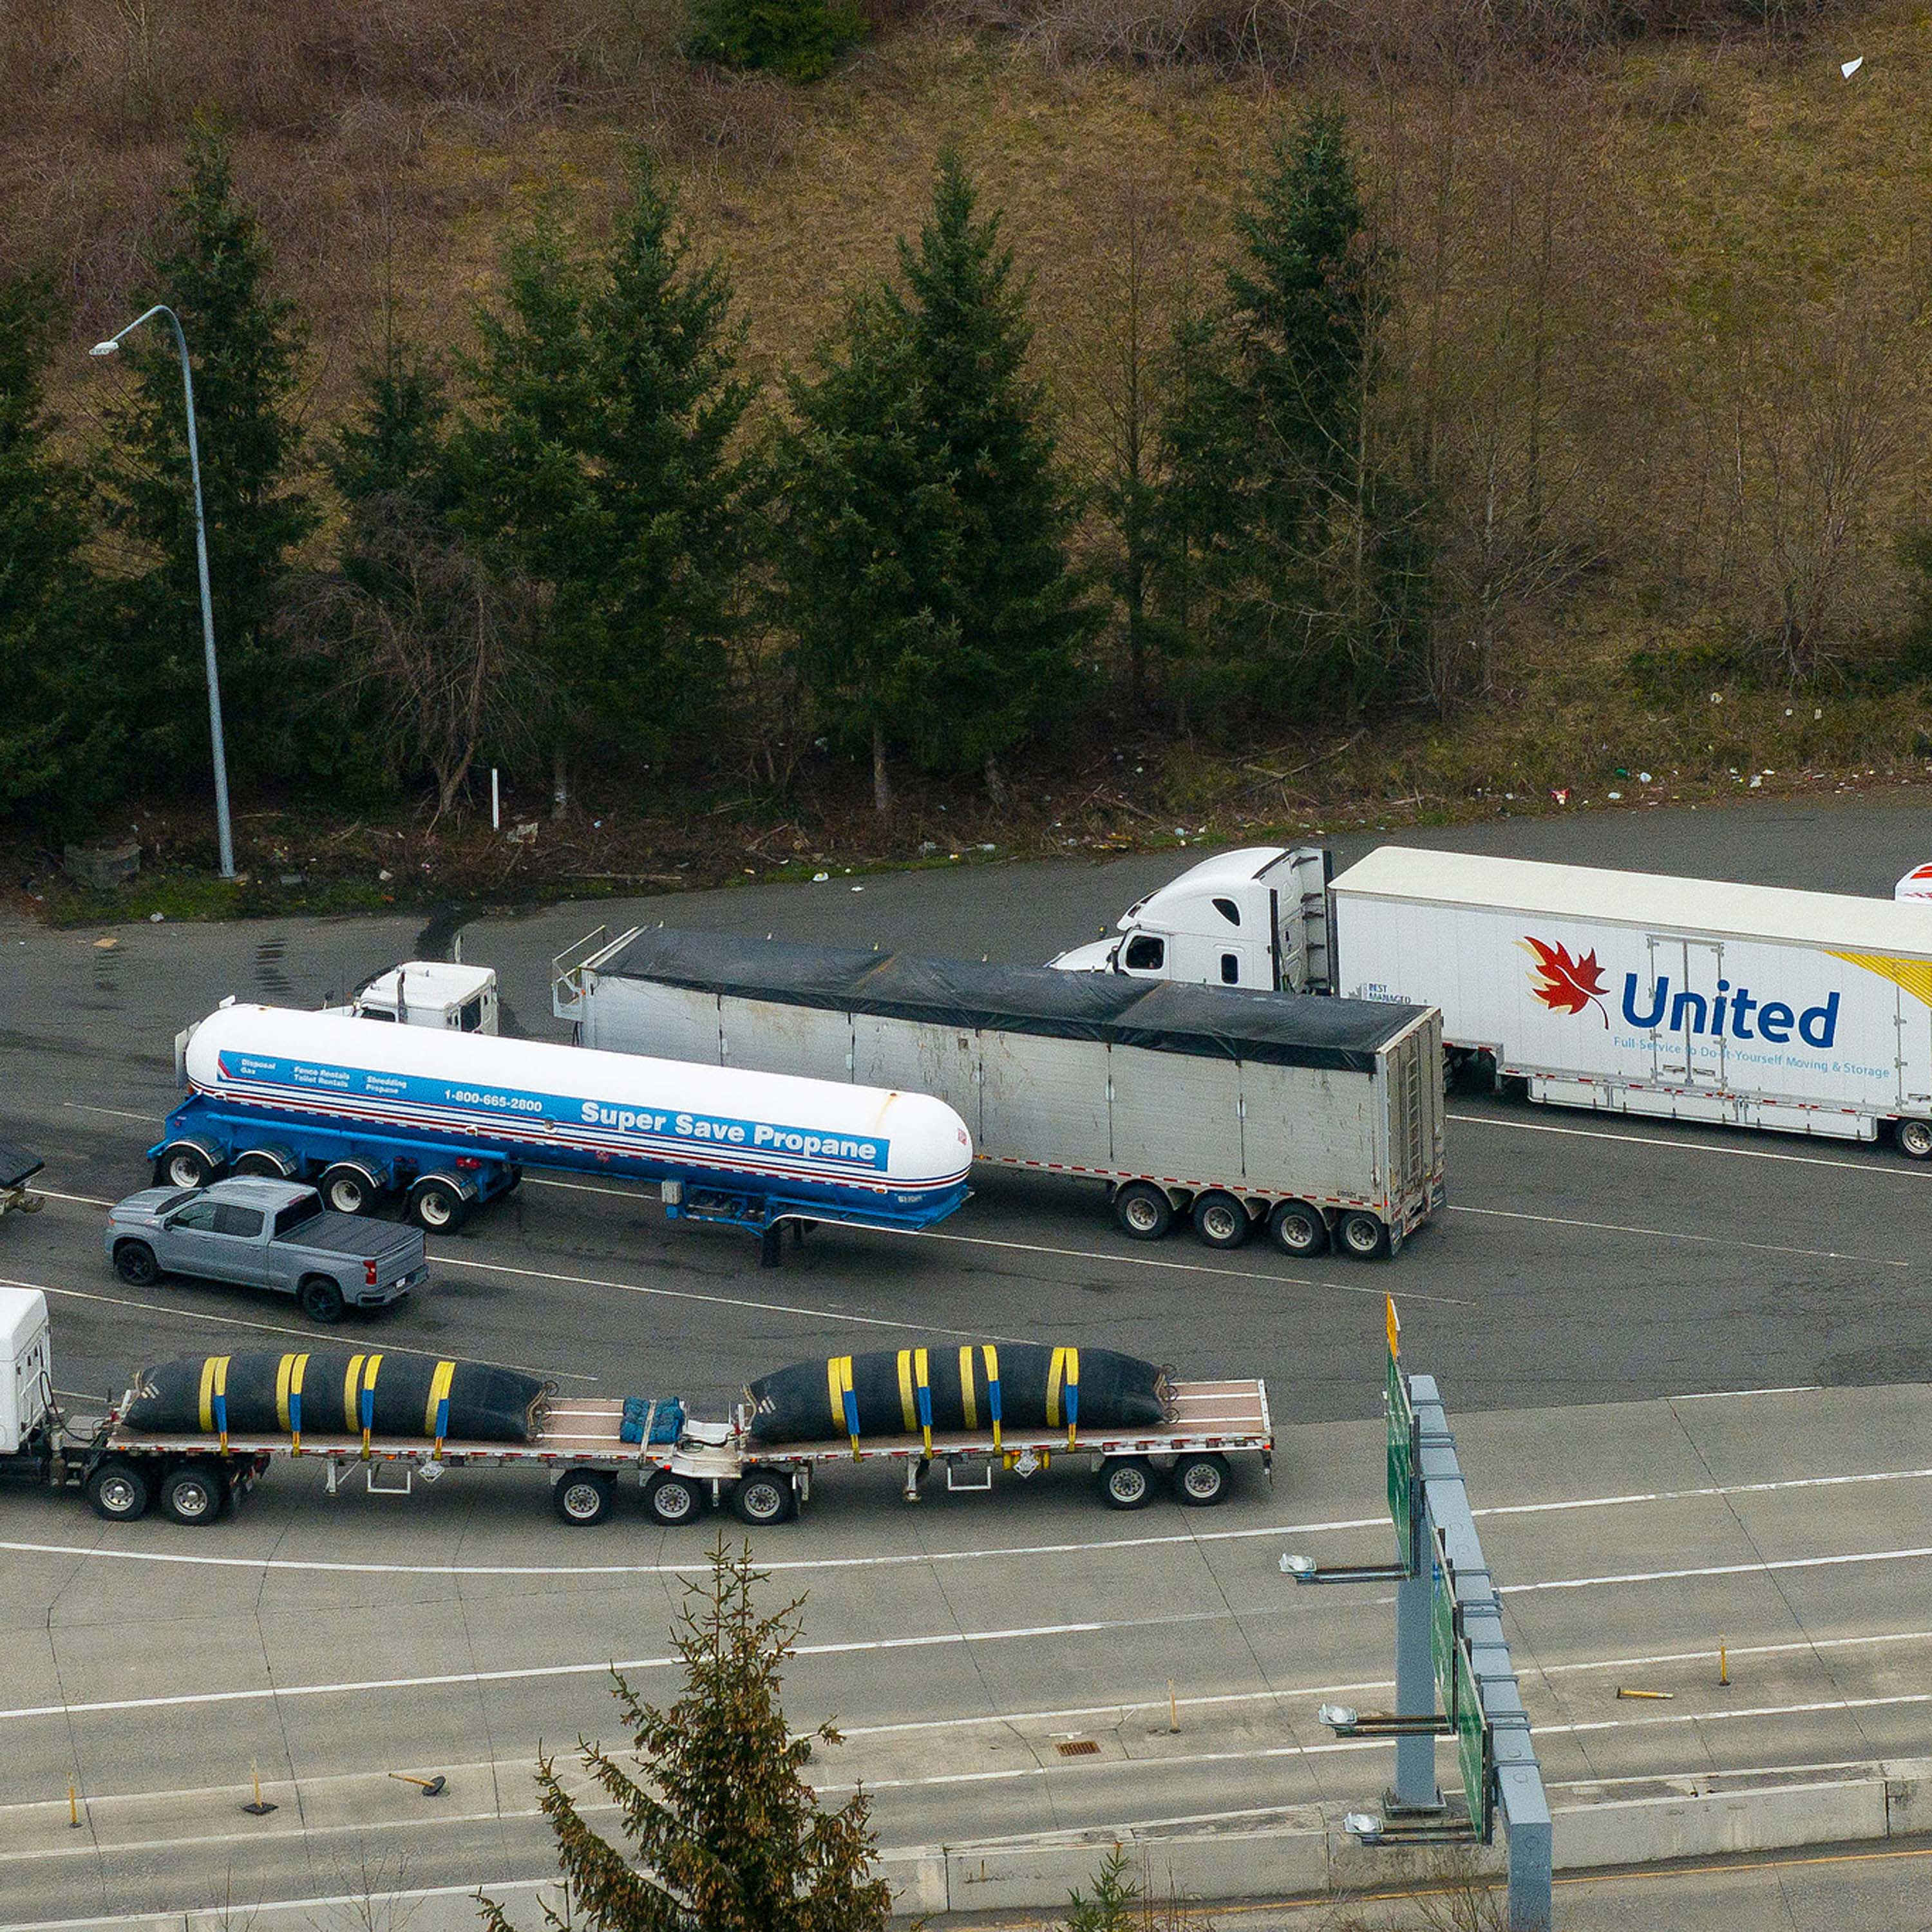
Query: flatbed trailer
{"type": "Point", "coordinates": [195, 1476]}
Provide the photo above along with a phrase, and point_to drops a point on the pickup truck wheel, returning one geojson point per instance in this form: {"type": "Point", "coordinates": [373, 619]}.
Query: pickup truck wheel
{"type": "Point", "coordinates": [584, 1496]}
{"type": "Point", "coordinates": [1220, 1220]}
{"type": "Point", "coordinates": [436, 1207]}
{"type": "Point", "coordinates": [184, 1167]}
{"type": "Point", "coordinates": [1298, 1230]}
{"type": "Point", "coordinates": [1914, 1139]}
{"type": "Point", "coordinates": [672, 1499]}
{"type": "Point", "coordinates": [347, 1189]}
{"type": "Point", "coordinates": [319, 1299]}
{"type": "Point", "coordinates": [1201, 1481]}
{"type": "Point", "coordinates": [1143, 1212]}
{"type": "Point", "coordinates": [194, 1495]}
{"type": "Point", "coordinates": [118, 1492]}
{"type": "Point", "coordinates": [134, 1262]}
{"type": "Point", "coordinates": [763, 1497]}
{"type": "Point", "coordinates": [1362, 1235]}
{"type": "Point", "coordinates": [1126, 1483]}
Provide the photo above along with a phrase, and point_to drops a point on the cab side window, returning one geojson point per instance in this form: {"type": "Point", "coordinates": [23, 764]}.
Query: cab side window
{"type": "Point", "coordinates": [199, 1215]}
{"type": "Point", "coordinates": [1230, 969]}
{"type": "Point", "coordinates": [246, 1221]}
{"type": "Point", "coordinates": [1145, 954]}
{"type": "Point", "coordinates": [1228, 911]}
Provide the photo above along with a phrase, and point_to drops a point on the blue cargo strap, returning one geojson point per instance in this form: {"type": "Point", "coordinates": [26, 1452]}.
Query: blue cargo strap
{"type": "Point", "coordinates": [922, 1372]}
{"type": "Point", "coordinates": [992, 1355]}
{"type": "Point", "coordinates": [436, 1411]}
{"type": "Point", "coordinates": [366, 1405]}
{"type": "Point", "coordinates": [844, 1403]}
{"type": "Point", "coordinates": [1064, 1378]}
{"type": "Point", "coordinates": [214, 1397]}
{"type": "Point", "coordinates": [288, 1398]}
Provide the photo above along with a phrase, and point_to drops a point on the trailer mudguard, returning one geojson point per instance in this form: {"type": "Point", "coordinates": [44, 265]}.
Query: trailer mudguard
{"type": "Point", "coordinates": [331, 1390]}
{"type": "Point", "coordinates": [913, 1391]}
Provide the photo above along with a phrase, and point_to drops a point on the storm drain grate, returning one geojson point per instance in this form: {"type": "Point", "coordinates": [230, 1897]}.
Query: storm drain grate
{"type": "Point", "coordinates": [1079, 1747]}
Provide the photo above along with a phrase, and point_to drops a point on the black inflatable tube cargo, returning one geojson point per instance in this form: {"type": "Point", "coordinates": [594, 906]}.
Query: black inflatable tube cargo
{"type": "Point", "coordinates": [1115, 1391]}
{"type": "Point", "coordinates": [332, 1391]}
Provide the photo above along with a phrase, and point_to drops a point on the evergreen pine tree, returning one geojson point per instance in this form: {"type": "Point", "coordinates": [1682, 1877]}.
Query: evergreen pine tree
{"type": "Point", "coordinates": [61, 721]}
{"type": "Point", "coordinates": [726, 1835]}
{"type": "Point", "coordinates": [799, 40]}
{"type": "Point", "coordinates": [599, 463]}
{"type": "Point", "coordinates": [213, 269]}
{"type": "Point", "coordinates": [1009, 597]}
{"type": "Point", "coordinates": [869, 527]}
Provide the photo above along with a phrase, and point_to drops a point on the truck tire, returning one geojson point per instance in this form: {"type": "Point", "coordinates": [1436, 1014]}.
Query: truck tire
{"type": "Point", "coordinates": [349, 1189]}
{"type": "Point", "coordinates": [134, 1262]}
{"type": "Point", "coordinates": [1914, 1139]}
{"type": "Point", "coordinates": [193, 1494]}
{"type": "Point", "coordinates": [119, 1492]}
{"type": "Point", "coordinates": [765, 1496]}
{"type": "Point", "coordinates": [436, 1205]}
{"type": "Point", "coordinates": [265, 1163]}
{"type": "Point", "coordinates": [1201, 1481]}
{"type": "Point", "coordinates": [184, 1165]}
{"type": "Point", "coordinates": [320, 1299]}
{"type": "Point", "coordinates": [1360, 1234]}
{"type": "Point", "coordinates": [584, 1496]}
{"type": "Point", "coordinates": [1143, 1212]}
{"type": "Point", "coordinates": [1220, 1220]}
{"type": "Point", "coordinates": [1126, 1483]}
{"type": "Point", "coordinates": [1298, 1230]}
{"type": "Point", "coordinates": [669, 1499]}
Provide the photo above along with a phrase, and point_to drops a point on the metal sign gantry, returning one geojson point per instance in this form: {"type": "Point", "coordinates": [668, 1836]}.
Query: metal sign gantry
{"type": "Point", "coordinates": [1452, 1675]}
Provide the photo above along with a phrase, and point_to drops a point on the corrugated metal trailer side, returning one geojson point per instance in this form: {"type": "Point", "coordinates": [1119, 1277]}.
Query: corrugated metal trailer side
{"type": "Point", "coordinates": [1266, 1135]}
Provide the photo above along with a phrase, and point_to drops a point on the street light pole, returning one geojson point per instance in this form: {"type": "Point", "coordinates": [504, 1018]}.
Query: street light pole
{"type": "Point", "coordinates": [223, 831]}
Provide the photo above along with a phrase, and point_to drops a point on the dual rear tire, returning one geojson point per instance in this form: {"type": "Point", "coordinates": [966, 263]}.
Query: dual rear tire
{"type": "Point", "coordinates": [1198, 1479]}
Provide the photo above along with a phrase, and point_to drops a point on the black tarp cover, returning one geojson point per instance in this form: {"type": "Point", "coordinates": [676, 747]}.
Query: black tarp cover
{"type": "Point", "coordinates": [17, 1165]}
{"type": "Point", "coordinates": [1163, 1016]}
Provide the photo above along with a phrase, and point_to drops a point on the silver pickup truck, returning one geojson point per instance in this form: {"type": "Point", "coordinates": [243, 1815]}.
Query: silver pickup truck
{"type": "Point", "coordinates": [266, 1234]}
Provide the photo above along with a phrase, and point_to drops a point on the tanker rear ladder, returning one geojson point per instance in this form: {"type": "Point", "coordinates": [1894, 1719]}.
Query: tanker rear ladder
{"type": "Point", "coordinates": [580, 1441]}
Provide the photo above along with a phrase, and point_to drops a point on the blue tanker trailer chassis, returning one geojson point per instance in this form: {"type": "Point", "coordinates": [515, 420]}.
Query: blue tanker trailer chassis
{"type": "Point", "coordinates": [441, 1185]}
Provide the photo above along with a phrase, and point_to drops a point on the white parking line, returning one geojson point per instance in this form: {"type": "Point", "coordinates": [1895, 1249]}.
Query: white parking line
{"type": "Point", "coordinates": [118, 1113]}
{"type": "Point", "coordinates": [1003, 1552]}
{"type": "Point", "coordinates": [1876, 1169]}
{"type": "Point", "coordinates": [1672, 1234]}
{"type": "Point", "coordinates": [308, 1334]}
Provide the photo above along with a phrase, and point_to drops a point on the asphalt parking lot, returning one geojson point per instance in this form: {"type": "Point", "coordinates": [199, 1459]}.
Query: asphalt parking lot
{"type": "Point", "coordinates": [1599, 1302]}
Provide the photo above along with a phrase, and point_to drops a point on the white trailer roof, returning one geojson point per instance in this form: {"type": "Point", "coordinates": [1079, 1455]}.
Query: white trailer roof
{"type": "Point", "coordinates": [1651, 900]}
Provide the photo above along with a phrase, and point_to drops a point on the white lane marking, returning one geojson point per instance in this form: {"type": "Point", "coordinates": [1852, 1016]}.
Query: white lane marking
{"type": "Point", "coordinates": [1672, 1234]}
{"type": "Point", "coordinates": [944, 1639]}
{"type": "Point", "coordinates": [119, 1113]}
{"type": "Point", "coordinates": [443, 1260]}
{"type": "Point", "coordinates": [265, 1328]}
{"type": "Point", "coordinates": [358, 1903]}
{"type": "Point", "coordinates": [941, 1639]}
{"type": "Point", "coordinates": [998, 1553]}
{"type": "Point", "coordinates": [1872, 1169]}
{"type": "Point", "coordinates": [1187, 1267]}
{"type": "Point", "coordinates": [1722, 1395]}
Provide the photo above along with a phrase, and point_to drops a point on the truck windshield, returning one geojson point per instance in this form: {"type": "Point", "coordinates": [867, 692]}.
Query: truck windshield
{"type": "Point", "coordinates": [296, 1214]}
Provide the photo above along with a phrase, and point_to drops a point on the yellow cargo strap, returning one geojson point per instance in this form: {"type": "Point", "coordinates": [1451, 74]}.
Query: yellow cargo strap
{"type": "Point", "coordinates": [368, 1403]}
{"type": "Point", "coordinates": [288, 1397]}
{"type": "Point", "coordinates": [214, 1397]}
{"type": "Point", "coordinates": [351, 1385]}
{"type": "Point", "coordinates": [992, 1360]}
{"type": "Point", "coordinates": [969, 1400]}
{"type": "Point", "coordinates": [208, 1366]}
{"type": "Point", "coordinates": [436, 1411]}
{"type": "Point", "coordinates": [844, 1409]}
{"type": "Point", "coordinates": [922, 1374]}
{"type": "Point", "coordinates": [905, 1390]}
{"type": "Point", "coordinates": [1065, 1375]}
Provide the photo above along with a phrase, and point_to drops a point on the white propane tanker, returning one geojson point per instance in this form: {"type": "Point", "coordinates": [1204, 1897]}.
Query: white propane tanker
{"type": "Point", "coordinates": [449, 1119]}
{"type": "Point", "coordinates": [1630, 992]}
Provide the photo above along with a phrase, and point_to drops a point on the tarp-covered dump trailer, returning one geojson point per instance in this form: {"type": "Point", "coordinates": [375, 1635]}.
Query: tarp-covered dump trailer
{"type": "Point", "coordinates": [1238, 1107]}
{"type": "Point", "coordinates": [1692, 999]}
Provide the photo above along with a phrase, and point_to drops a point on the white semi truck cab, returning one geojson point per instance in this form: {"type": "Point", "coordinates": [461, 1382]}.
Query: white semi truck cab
{"type": "Point", "coordinates": [1256, 918]}
{"type": "Point", "coordinates": [430, 993]}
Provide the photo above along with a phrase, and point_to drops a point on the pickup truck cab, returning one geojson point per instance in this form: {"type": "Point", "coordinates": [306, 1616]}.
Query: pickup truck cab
{"type": "Point", "coordinates": [266, 1234]}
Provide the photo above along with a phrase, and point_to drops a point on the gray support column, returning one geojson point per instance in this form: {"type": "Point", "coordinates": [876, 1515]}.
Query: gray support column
{"type": "Point", "coordinates": [1526, 1826]}
{"type": "Point", "coordinates": [1415, 1790]}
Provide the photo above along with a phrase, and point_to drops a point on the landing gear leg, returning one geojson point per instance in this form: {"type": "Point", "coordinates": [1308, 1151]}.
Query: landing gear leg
{"type": "Point", "coordinates": [771, 1248]}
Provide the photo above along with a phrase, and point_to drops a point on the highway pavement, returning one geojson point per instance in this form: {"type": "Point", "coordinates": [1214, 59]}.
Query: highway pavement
{"type": "Point", "coordinates": [1686, 1367]}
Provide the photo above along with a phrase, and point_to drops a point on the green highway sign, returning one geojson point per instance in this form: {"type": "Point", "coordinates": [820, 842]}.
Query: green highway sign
{"type": "Point", "coordinates": [1401, 1442]}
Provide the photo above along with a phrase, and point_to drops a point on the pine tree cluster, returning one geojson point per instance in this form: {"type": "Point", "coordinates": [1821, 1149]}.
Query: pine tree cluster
{"type": "Point", "coordinates": [589, 548]}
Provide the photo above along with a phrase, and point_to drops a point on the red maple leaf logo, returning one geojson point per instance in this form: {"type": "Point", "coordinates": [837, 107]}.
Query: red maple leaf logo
{"type": "Point", "coordinates": [1565, 984]}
